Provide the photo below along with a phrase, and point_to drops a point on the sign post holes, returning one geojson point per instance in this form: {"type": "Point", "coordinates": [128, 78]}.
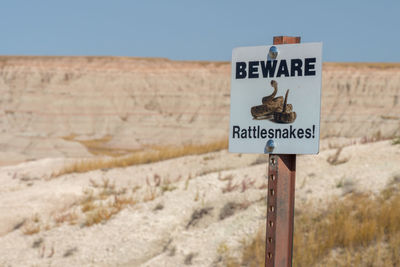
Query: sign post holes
{"type": "Point", "coordinates": [280, 200]}
{"type": "Point", "coordinates": [275, 109]}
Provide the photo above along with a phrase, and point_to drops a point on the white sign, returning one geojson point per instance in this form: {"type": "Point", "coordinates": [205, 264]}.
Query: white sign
{"type": "Point", "coordinates": [276, 101]}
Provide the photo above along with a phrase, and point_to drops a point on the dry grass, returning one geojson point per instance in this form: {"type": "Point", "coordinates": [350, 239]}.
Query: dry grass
{"type": "Point", "coordinates": [357, 230]}
{"type": "Point", "coordinates": [103, 202]}
{"type": "Point", "coordinates": [100, 202]}
{"type": "Point", "coordinates": [100, 213]}
{"type": "Point", "coordinates": [153, 155]}
{"type": "Point", "coordinates": [97, 211]}
{"type": "Point", "coordinates": [31, 229]}
{"type": "Point", "coordinates": [69, 217]}
{"type": "Point", "coordinates": [32, 226]}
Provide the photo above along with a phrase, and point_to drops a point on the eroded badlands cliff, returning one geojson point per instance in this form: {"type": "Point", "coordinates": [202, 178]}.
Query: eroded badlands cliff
{"type": "Point", "coordinates": [49, 104]}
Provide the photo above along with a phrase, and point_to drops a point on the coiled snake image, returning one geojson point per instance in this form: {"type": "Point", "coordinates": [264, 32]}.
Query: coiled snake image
{"type": "Point", "coordinates": [274, 108]}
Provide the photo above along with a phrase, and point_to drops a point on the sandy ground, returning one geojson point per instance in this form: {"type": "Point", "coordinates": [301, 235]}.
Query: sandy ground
{"type": "Point", "coordinates": [186, 208]}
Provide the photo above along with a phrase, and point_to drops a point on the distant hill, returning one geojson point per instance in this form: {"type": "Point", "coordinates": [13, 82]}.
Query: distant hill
{"type": "Point", "coordinates": [64, 106]}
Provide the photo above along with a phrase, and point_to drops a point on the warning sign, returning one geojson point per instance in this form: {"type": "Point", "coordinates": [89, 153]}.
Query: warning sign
{"type": "Point", "coordinates": [276, 99]}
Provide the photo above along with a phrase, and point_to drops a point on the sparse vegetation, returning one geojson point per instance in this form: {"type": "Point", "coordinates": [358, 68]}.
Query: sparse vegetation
{"type": "Point", "coordinates": [33, 225]}
{"type": "Point", "coordinates": [71, 217]}
{"type": "Point", "coordinates": [376, 137]}
{"type": "Point", "coordinates": [347, 185]}
{"type": "Point", "coordinates": [104, 203]}
{"type": "Point", "coordinates": [253, 253]}
{"type": "Point", "coordinates": [70, 252]}
{"type": "Point", "coordinates": [334, 159]}
{"type": "Point", "coordinates": [100, 202]}
{"type": "Point", "coordinates": [159, 206]}
{"type": "Point", "coordinates": [153, 155]}
{"type": "Point", "coordinates": [19, 225]}
{"type": "Point", "coordinates": [188, 181]}
{"type": "Point", "coordinates": [396, 141]}
{"type": "Point", "coordinates": [99, 214]}
{"type": "Point", "coordinates": [228, 210]}
{"type": "Point", "coordinates": [246, 184]}
{"type": "Point", "coordinates": [189, 258]}
{"type": "Point", "coordinates": [197, 215]}
{"type": "Point", "coordinates": [348, 232]}
{"type": "Point", "coordinates": [231, 186]}
{"type": "Point", "coordinates": [31, 228]}
{"type": "Point", "coordinates": [167, 185]}
{"type": "Point", "coordinates": [37, 242]}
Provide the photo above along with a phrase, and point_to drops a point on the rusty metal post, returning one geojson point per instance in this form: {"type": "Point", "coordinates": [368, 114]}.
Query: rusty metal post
{"type": "Point", "coordinates": [280, 210]}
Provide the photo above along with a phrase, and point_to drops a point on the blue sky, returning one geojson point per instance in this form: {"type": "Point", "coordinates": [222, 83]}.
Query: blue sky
{"type": "Point", "coordinates": [351, 30]}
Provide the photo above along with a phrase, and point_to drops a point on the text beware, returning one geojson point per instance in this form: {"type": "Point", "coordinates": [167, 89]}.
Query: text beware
{"type": "Point", "coordinates": [275, 68]}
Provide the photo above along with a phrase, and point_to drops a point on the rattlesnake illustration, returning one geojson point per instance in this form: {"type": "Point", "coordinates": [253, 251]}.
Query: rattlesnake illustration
{"type": "Point", "coordinates": [267, 99]}
{"type": "Point", "coordinates": [286, 115]}
{"type": "Point", "coordinates": [273, 106]}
